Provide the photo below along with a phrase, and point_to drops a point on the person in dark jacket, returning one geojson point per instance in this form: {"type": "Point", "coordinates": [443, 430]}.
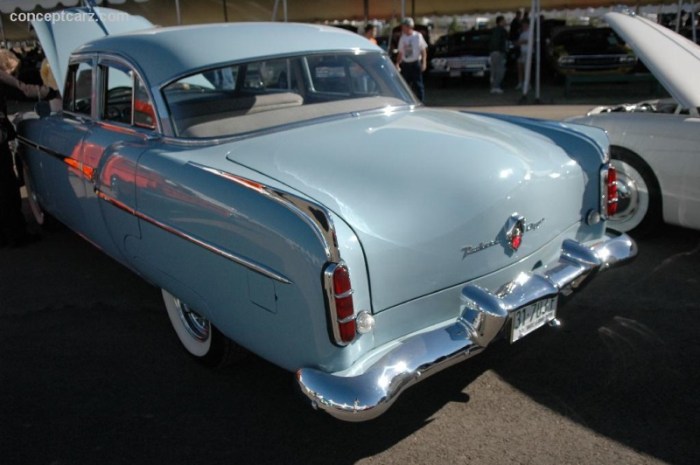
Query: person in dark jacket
{"type": "Point", "coordinates": [13, 228]}
{"type": "Point", "coordinates": [515, 27]}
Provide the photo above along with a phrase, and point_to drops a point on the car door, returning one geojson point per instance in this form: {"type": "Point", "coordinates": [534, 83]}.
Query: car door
{"type": "Point", "coordinates": [674, 155]}
{"type": "Point", "coordinates": [64, 133]}
{"type": "Point", "coordinates": [125, 127]}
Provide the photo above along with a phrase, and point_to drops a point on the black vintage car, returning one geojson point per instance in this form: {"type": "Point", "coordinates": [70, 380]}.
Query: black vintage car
{"type": "Point", "coordinates": [584, 49]}
{"type": "Point", "coordinates": [462, 53]}
{"type": "Point", "coordinates": [466, 54]}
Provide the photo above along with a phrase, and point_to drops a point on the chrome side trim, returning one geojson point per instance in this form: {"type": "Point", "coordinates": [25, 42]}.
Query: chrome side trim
{"type": "Point", "coordinates": [482, 318]}
{"type": "Point", "coordinates": [42, 148]}
{"type": "Point", "coordinates": [84, 170]}
{"type": "Point", "coordinates": [251, 265]}
{"type": "Point", "coordinates": [313, 214]}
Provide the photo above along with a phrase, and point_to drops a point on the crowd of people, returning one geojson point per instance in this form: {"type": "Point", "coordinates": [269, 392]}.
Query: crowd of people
{"type": "Point", "coordinates": [412, 56]}
{"type": "Point", "coordinates": [518, 34]}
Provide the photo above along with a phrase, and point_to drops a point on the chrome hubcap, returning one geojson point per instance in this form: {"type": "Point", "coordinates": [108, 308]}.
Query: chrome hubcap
{"type": "Point", "coordinates": [628, 197]}
{"type": "Point", "coordinates": [196, 325]}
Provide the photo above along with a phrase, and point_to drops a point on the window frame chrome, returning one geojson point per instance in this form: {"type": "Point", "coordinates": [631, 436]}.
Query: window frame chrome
{"type": "Point", "coordinates": [103, 60]}
{"type": "Point", "coordinates": [82, 117]}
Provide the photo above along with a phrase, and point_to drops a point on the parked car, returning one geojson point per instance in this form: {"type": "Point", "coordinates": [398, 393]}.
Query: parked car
{"type": "Point", "coordinates": [462, 54]}
{"type": "Point", "coordinates": [327, 222]}
{"type": "Point", "coordinates": [583, 49]}
{"type": "Point", "coordinates": [656, 144]}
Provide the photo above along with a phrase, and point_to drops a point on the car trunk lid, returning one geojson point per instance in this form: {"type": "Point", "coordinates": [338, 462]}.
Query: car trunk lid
{"type": "Point", "coordinates": [428, 193]}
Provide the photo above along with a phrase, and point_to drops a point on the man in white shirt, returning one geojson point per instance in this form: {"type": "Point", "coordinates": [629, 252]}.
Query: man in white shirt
{"type": "Point", "coordinates": [412, 59]}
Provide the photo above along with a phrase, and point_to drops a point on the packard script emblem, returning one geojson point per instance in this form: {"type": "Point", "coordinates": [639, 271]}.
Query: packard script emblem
{"type": "Point", "coordinates": [511, 235]}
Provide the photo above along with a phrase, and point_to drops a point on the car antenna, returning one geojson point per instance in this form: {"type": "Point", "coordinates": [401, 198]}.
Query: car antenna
{"type": "Point", "coordinates": [90, 5]}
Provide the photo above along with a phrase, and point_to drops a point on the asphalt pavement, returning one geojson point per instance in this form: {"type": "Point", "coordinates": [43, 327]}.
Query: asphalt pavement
{"type": "Point", "coordinates": [92, 373]}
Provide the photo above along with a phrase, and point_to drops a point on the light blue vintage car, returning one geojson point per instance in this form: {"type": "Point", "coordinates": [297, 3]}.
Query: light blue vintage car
{"type": "Point", "coordinates": [289, 195]}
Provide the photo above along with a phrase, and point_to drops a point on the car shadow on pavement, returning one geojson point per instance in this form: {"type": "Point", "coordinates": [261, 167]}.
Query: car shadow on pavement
{"type": "Point", "coordinates": [92, 373]}
{"type": "Point", "coordinates": [625, 363]}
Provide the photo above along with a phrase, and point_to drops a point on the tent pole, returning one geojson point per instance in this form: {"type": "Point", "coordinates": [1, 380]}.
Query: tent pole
{"type": "Point", "coordinates": [528, 60]}
{"type": "Point", "coordinates": [4, 39]}
{"type": "Point", "coordinates": [225, 11]}
{"type": "Point", "coordinates": [693, 22]}
{"type": "Point", "coordinates": [403, 8]}
{"type": "Point", "coordinates": [678, 16]}
{"type": "Point", "coordinates": [284, 7]}
{"type": "Point", "coordinates": [274, 10]}
{"type": "Point", "coordinates": [538, 63]}
{"type": "Point", "coordinates": [177, 12]}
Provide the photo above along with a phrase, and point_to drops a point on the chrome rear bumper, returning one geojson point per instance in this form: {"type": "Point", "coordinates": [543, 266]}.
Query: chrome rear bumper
{"type": "Point", "coordinates": [484, 314]}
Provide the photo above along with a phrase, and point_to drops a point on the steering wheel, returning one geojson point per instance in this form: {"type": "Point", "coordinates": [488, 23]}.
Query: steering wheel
{"type": "Point", "coordinates": [121, 94]}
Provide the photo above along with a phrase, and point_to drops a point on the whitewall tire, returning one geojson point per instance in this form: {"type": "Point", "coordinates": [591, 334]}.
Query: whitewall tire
{"type": "Point", "coordinates": [639, 205]}
{"type": "Point", "coordinates": [198, 336]}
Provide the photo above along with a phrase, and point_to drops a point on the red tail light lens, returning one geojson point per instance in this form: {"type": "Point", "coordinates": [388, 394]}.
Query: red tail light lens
{"type": "Point", "coordinates": [342, 309]}
{"type": "Point", "coordinates": [612, 197]}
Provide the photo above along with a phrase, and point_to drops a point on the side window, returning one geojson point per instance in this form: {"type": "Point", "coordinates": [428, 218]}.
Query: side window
{"type": "Point", "coordinates": [77, 97]}
{"type": "Point", "coordinates": [126, 98]}
{"type": "Point", "coordinates": [119, 89]}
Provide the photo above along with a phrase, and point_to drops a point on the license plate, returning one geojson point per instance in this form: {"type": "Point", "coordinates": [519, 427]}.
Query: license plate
{"type": "Point", "coordinates": [455, 73]}
{"type": "Point", "coordinates": [527, 319]}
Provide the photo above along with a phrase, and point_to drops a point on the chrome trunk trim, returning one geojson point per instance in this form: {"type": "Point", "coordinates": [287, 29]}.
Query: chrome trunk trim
{"type": "Point", "coordinates": [313, 214]}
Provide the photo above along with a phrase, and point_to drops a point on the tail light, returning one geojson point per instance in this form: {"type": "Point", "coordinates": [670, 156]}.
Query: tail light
{"type": "Point", "coordinates": [341, 310]}
{"type": "Point", "coordinates": [611, 197]}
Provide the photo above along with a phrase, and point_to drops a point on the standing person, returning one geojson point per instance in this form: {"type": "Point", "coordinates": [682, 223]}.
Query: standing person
{"type": "Point", "coordinates": [497, 46]}
{"type": "Point", "coordinates": [412, 59]}
{"type": "Point", "coordinates": [524, 44]}
{"type": "Point", "coordinates": [13, 228]}
{"type": "Point", "coordinates": [371, 33]}
{"type": "Point", "coordinates": [515, 26]}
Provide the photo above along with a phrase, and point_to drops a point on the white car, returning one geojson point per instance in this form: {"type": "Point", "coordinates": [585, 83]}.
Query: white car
{"type": "Point", "coordinates": [655, 145]}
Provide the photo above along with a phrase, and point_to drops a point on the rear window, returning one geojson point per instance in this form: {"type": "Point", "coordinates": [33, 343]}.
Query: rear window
{"type": "Point", "coordinates": [261, 94]}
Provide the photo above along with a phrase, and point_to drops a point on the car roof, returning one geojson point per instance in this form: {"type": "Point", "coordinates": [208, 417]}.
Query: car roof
{"type": "Point", "coordinates": [164, 54]}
